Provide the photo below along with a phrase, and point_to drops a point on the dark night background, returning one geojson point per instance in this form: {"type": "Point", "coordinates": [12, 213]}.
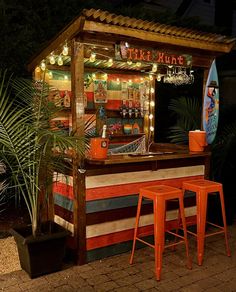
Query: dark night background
{"type": "Point", "coordinates": [27, 26]}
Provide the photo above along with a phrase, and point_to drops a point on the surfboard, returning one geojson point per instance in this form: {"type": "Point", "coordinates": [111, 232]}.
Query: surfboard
{"type": "Point", "coordinates": [210, 114]}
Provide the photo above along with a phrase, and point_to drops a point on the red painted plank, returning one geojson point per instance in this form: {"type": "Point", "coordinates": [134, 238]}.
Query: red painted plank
{"type": "Point", "coordinates": [63, 189]}
{"type": "Point", "coordinates": [132, 188]}
{"type": "Point", "coordinates": [122, 236]}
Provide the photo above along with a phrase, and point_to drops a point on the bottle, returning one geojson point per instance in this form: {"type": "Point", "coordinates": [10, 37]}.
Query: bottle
{"type": "Point", "coordinates": [104, 129]}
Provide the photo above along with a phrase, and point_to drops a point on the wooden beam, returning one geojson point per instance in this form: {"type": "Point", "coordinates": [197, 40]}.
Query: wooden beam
{"type": "Point", "coordinates": [77, 83]}
{"type": "Point", "coordinates": [155, 37]}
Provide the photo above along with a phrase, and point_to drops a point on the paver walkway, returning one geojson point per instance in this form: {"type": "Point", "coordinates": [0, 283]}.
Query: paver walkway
{"type": "Point", "coordinates": [218, 272]}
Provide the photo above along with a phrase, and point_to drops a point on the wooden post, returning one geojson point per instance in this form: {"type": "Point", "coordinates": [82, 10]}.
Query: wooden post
{"type": "Point", "coordinates": [77, 88]}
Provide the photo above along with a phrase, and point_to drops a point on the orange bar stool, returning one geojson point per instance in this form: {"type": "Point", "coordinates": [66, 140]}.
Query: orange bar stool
{"type": "Point", "coordinates": [160, 194]}
{"type": "Point", "coordinates": [203, 188]}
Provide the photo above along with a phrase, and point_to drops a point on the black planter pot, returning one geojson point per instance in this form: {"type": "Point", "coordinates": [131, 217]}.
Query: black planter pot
{"type": "Point", "coordinates": [42, 254]}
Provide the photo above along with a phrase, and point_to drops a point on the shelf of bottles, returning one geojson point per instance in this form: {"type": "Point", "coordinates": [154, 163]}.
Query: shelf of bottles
{"type": "Point", "coordinates": [125, 103]}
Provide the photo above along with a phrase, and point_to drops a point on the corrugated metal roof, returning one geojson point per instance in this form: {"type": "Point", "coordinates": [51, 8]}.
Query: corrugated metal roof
{"type": "Point", "coordinates": [150, 26]}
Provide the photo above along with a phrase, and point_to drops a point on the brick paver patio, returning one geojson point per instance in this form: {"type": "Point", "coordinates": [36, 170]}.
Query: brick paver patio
{"type": "Point", "coordinates": [218, 272]}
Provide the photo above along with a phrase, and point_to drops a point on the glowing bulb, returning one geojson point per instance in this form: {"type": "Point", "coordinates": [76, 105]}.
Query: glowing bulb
{"type": "Point", "coordinates": [158, 77]}
{"type": "Point", "coordinates": [92, 57]}
{"type": "Point", "coordinates": [152, 103]}
{"type": "Point", "coordinates": [65, 50]}
{"type": "Point", "coordinates": [65, 77]}
{"type": "Point", "coordinates": [50, 75]}
{"type": "Point", "coordinates": [118, 80]}
{"type": "Point", "coordinates": [60, 61]}
{"type": "Point", "coordinates": [150, 77]}
{"type": "Point", "coordinates": [105, 76]}
{"type": "Point", "coordinates": [130, 81]}
{"type": "Point", "coordinates": [52, 60]}
{"type": "Point", "coordinates": [129, 62]}
{"type": "Point", "coordinates": [110, 62]}
{"type": "Point", "coordinates": [154, 68]}
{"type": "Point", "coordinates": [126, 44]}
{"type": "Point", "coordinates": [152, 129]}
{"type": "Point", "coordinates": [93, 76]}
{"type": "Point", "coordinates": [151, 116]}
{"type": "Point", "coordinates": [43, 65]}
{"type": "Point", "coordinates": [141, 79]}
{"type": "Point", "coordinates": [152, 90]}
{"type": "Point", "coordinates": [138, 64]}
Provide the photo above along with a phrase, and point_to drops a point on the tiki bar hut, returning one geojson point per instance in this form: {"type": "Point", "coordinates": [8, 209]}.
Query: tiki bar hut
{"type": "Point", "coordinates": [107, 67]}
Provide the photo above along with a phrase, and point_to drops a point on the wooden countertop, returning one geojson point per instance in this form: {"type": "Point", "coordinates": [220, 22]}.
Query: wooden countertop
{"type": "Point", "coordinates": [158, 152]}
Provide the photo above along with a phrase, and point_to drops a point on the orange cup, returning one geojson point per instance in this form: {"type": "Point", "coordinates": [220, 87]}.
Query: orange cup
{"type": "Point", "coordinates": [98, 148]}
{"type": "Point", "coordinates": [197, 141]}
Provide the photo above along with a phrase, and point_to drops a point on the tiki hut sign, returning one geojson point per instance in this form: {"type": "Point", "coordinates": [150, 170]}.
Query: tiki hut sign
{"type": "Point", "coordinates": [135, 54]}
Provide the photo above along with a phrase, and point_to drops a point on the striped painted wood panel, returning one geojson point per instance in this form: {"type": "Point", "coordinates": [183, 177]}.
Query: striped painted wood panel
{"type": "Point", "coordinates": [116, 192]}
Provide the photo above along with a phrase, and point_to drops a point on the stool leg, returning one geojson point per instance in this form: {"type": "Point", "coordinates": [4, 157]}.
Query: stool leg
{"type": "Point", "coordinates": [201, 198]}
{"type": "Point", "coordinates": [224, 221]}
{"type": "Point", "coordinates": [136, 227]}
{"type": "Point", "coordinates": [181, 208]}
{"type": "Point", "coordinates": [159, 234]}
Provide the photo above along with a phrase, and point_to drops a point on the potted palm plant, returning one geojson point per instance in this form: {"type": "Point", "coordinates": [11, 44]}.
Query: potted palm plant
{"type": "Point", "coordinates": [26, 142]}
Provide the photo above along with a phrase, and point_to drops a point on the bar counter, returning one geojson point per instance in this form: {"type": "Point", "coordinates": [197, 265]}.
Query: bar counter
{"type": "Point", "coordinates": [111, 193]}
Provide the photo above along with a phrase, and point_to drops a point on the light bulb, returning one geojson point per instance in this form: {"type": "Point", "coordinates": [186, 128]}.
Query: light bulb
{"type": "Point", "coordinates": [150, 77]}
{"type": "Point", "coordinates": [152, 103]}
{"type": "Point", "coordinates": [50, 75]}
{"type": "Point", "coordinates": [159, 77]}
{"type": "Point", "coordinates": [65, 77]}
{"type": "Point", "coordinates": [152, 129]}
{"type": "Point", "coordinates": [65, 50]}
{"type": "Point", "coordinates": [126, 44]}
{"type": "Point", "coordinates": [152, 90]}
{"type": "Point", "coordinates": [92, 57]}
{"type": "Point", "coordinates": [154, 68]}
{"type": "Point", "coordinates": [138, 64]}
{"type": "Point", "coordinates": [43, 65]}
{"type": "Point", "coordinates": [110, 62]}
{"type": "Point", "coordinates": [151, 116]}
{"type": "Point", "coordinates": [60, 61]}
{"type": "Point", "coordinates": [130, 81]}
{"type": "Point", "coordinates": [118, 80]}
{"type": "Point", "coordinates": [129, 62]}
{"type": "Point", "coordinates": [52, 59]}
{"type": "Point", "coordinates": [93, 76]}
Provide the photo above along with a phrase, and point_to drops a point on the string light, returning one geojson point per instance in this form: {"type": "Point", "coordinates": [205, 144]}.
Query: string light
{"type": "Point", "coordinates": [60, 61]}
{"type": "Point", "coordinates": [129, 62]}
{"type": "Point", "coordinates": [154, 68]}
{"type": "Point", "coordinates": [151, 77]}
{"type": "Point", "coordinates": [151, 116]}
{"type": "Point", "coordinates": [110, 62]}
{"type": "Point", "coordinates": [43, 65]}
{"type": "Point", "coordinates": [65, 77]}
{"type": "Point", "coordinates": [52, 60]}
{"type": "Point", "coordinates": [152, 90]}
{"type": "Point", "coordinates": [151, 128]}
{"type": "Point", "coordinates": [50, 75]}
{"type": "Point", "coordinates": [138, 64]}
{"type": "Point", "coordinates": [118, 80]}
{"type": "Point", "coordinates": [152, 103]}
{"type": "Point", "coordinates": [65, 50]}
{"type": "Point", "coordinates": [159, 77]}
{"type": "Point", "coordinates": [92, 57]}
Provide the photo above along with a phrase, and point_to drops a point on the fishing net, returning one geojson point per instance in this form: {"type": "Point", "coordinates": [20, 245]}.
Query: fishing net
{"type": "Point", "coordinates": [136, 146]}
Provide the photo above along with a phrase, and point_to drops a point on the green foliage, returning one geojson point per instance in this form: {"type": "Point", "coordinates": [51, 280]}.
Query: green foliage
{"type": "Point", "coordinates": [27, 140]}
{"type": "Point", "coordinates": [188, 117]}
